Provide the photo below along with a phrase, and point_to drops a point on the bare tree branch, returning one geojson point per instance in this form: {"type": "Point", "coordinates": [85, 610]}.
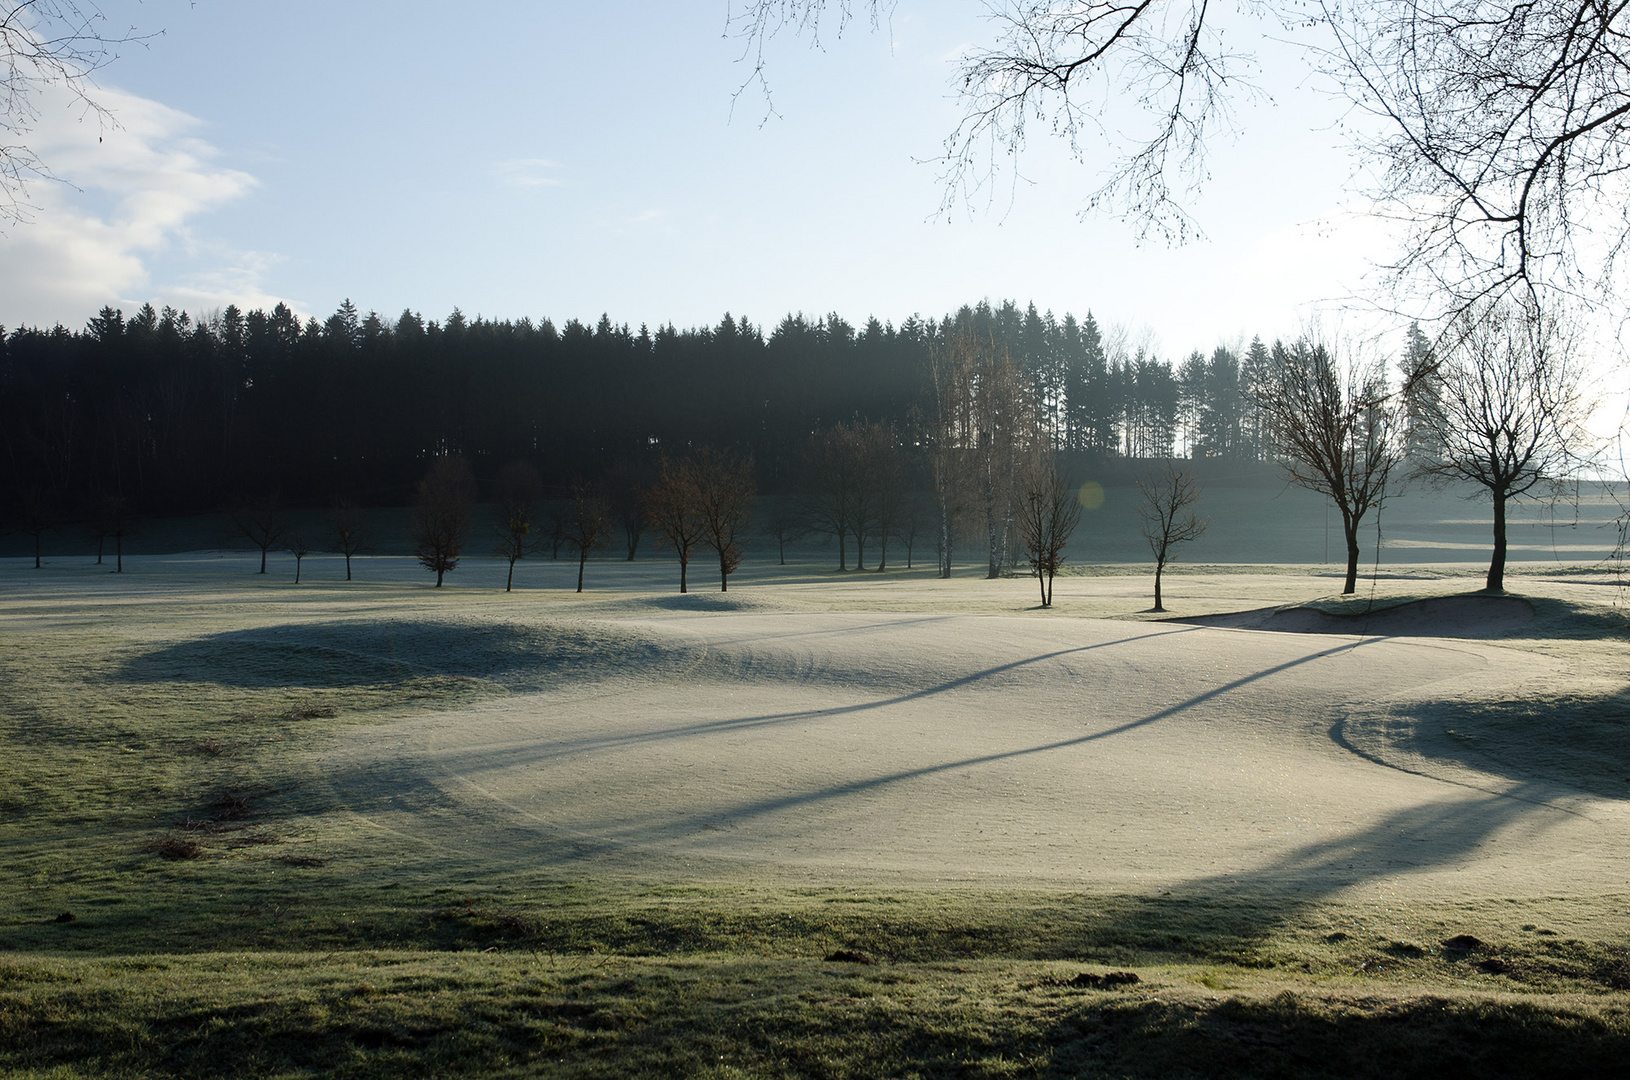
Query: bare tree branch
{"type": "Point", "coordinates": [47, 43]}
{"type": "Point", "coordinates": [1503, 140]}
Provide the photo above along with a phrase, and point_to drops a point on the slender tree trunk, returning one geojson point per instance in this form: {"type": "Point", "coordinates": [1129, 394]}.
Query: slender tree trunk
{"type": "Point", "coordinates": [1160, 565]}
{"type": "Point", "coordinates": [1496, 578]}
{"type": "Point", "coordinates": [347, 566]}
{"type": "Point", "coordinates": [510, 581]}
{"type": "Point", "coordinates": [36, 551]}
{"type": "Point", "coordinates": [119, 554]}
{"type": "Point", "coordinates": [992, 533]}
{"type": "Point", "coordinates": [263, 560]}
{"type": "Point", "coordinates": [438, 577]}
{"type": "Point", "coordinates": [1349, 526]}
{"type": "Point", "coordinates": [945, 537]}
{"type": "Point", "coordinates": [297, 562]}
{"type": "Point", "coordinates": [724, 574]}
{"type": "Point", "coordinates": [684, 563]}
{"type": "Point", "coordinates": [582, 561]}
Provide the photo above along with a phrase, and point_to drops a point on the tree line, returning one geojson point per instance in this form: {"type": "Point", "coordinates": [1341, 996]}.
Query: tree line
{"type": "Point", "coordinates": [173, 413]}
{"type": "Point", "coordinates": [941, 433]}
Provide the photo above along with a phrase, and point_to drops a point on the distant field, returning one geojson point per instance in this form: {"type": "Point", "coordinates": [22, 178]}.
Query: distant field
{"type": "Point", "coordinates": [820, 825]}
{"type": "Point", "coordinates": [1255, 519]}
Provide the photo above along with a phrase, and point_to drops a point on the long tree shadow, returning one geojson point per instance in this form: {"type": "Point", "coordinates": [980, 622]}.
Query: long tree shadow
{"type": "Point", "coordinates": [368, 790]}
{"type": "Point", "coordinates": [478, 761]}
{"type": "Point", "coordinates": [1576, 738]}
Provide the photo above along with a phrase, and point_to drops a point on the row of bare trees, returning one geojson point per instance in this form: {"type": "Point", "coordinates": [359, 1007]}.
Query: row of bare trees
{"type": "Point", "coordinates": [699, 501]}
{"type": "Point", "coordinates": [1496, 405]}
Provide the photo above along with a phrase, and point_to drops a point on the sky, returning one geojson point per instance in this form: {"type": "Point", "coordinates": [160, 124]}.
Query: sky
{"type": "Point", "coordinates": [564, 160]}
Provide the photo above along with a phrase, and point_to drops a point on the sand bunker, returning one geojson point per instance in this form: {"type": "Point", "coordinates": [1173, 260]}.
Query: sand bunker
{"type": "Point", "coordinates": [1441, 616]}
{"type": "Point", "coordinates": [1056, 751]}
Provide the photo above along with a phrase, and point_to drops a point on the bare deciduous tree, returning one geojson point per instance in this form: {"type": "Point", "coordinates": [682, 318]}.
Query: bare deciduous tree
{"type": "Point", "coordinates": [1168, 516]}
{"type": "Point", "coordinates": [262, 522]}
{"type": "Point", "coordinates": [520, 489]}
{"type": "Point", "coordinates": [787, 523]}
{"type": "Point", "coordinates": [1003, 432]}
{"type": "Point", "coordinates": [911, 523]}
{"type": "Point", "coordinates": [672, 504]}
{"type": "Point", "coordinates": [116, 521]}
{"type": "Point", "coordinates": [628, 504]}
{"type": "Point", "coordinates": [979, 439]}
{"type": "Point", "coordinates": [725, 489]}
{"type": "Point", "coordinates": [34, 518]}
{"type": "Point", "coordinates": [348, 526]}
{"type": "Point", "coordinates": [834, 468]}
{"type": "Point", "coordinates": [888, 488]}
{"type": "Point", "coordinates": [948, 432]}
{"type": "Point", "coordinates": [1048, 514]}
{"type": "Point", "coordinates": [299, 547]}
{"type": "Point", "coordinates": [586, 525]}
{"type": "Point", "coordinates": [1508, 415]}
{"type": "Point", "coordinates": [1335, 432]}
{"type": "Point", "coordinates": [444, 504]}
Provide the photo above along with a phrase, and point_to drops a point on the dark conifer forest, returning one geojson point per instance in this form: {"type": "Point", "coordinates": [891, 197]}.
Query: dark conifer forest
{"type": "Point", "coordinates": [159, 412]}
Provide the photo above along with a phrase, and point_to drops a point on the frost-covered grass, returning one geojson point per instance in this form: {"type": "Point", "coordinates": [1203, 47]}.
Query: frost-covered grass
{"type": "Point", "coordinates": [184, 892]}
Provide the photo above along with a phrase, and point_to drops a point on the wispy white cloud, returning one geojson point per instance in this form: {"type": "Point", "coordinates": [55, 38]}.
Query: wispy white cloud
{"type": "Point", "coordinates": [128, 193]}
{"type": "Point", "coordinates": [529, 173]}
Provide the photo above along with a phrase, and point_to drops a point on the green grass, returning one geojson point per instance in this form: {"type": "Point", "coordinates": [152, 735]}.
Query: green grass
{"type": "Point", "coordinates": [184, 896]}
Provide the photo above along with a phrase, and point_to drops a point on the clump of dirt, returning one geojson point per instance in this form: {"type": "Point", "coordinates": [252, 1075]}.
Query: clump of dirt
{"type": "Point", "coordinates": [225, 813]}
{"type": "Point", "coordinates": [848, 956]}
{"type": "Point", "coordinates": [1108, 980]}
{"type": "Point", "coordinates": [174, 847]}
{"type": "Point", "coordinates": [1462, 944]}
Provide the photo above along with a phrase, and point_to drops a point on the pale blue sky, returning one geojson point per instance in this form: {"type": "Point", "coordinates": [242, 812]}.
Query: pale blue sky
{"type": "Point", "coordinates": [567, 159]}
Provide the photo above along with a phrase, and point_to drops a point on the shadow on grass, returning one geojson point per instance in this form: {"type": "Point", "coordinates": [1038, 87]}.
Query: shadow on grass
{"type": "Point", "coordinates": [1577, 738]}
{"type": "Point", "coordinates": [498, 1019]}
{"type": "Point", "coordinates": [1471, 615]}
{"type": "Point", "coordinates": [519, 657]}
